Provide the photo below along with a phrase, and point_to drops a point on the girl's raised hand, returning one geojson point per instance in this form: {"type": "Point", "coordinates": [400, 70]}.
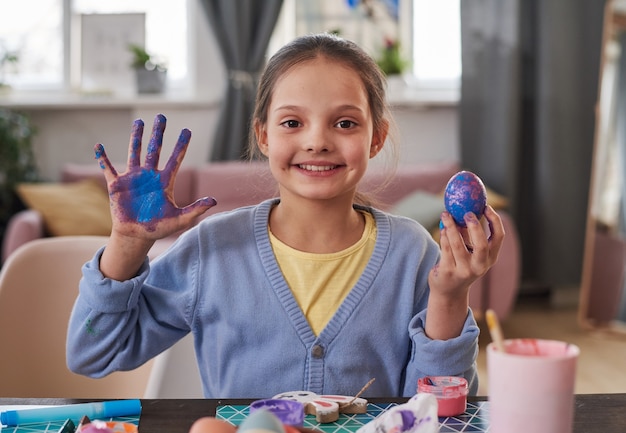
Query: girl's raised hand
{"type": "Point", "coordinates": [466, 254]}
{"type": "Point", "coordinates": [142, 198]}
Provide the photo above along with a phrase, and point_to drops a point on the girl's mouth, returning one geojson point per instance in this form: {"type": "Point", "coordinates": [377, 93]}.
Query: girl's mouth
{"type": "Point", "coordinates": [309, 167]}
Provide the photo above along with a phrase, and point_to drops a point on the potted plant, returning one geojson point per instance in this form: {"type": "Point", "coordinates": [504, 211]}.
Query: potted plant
{"type": "Point", "coordinates": [390, 60]}
{"type": "Point", "coordinates": [17, 162]}
{"type": "Point", "coordinates": [392, 63]}
{"type": "Point", "coordinates": [150, 74]}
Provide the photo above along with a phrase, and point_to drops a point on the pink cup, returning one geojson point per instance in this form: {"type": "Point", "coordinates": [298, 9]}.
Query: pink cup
{"type": "Point", "coordinates": [531, 386]}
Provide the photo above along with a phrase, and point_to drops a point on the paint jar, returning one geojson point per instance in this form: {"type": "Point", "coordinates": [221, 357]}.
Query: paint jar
{"type": "Point", "coordinates": [289, 412]}
{"type": "Point", "coordinates": [109, 427]}
{"type": "Point", "coordinates": [450, 391]}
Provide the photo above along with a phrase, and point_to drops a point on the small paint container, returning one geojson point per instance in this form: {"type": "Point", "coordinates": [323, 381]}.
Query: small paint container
{"type": "Point", "coordinates": [289, 412]}
{"type": "Point", "coordinates": [109, 427]}
{"type": "Point", "coordinates": [450, 391]}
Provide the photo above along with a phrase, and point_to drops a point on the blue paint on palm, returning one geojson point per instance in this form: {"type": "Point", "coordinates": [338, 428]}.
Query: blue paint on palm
{"type": "Point", "coordinates": [150, 202]}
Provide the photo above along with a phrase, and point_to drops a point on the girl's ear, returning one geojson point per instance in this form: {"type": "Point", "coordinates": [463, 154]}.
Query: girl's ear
{"type": "Point", "coordinates": [261, 137]}
{"type": "Point", "coordinates": [378, 139]}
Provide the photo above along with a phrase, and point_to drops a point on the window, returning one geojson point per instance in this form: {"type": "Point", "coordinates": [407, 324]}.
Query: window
{"type": "Point", "coordinates": [429, 32]}
{"type": "Point", "coordinates": [166, 27]}
{"type": "Point", "coordinates": [36, 31]}
{"type": "Point", "coordinates": [435, 42]}
{"type": "Point", "coordinates": [43, 32]}
{"type": "Point", "coordinates": [33, 30]}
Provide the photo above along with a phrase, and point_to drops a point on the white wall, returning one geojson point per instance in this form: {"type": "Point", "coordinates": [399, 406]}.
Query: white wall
{"type": "Point", "coordinates": [69, 134]}
{"type": "Point", "coordinates": [427, 134]}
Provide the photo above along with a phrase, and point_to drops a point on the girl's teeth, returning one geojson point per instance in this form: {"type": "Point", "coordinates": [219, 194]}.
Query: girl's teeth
{"type": "Point", "coordinates": [317, 167]}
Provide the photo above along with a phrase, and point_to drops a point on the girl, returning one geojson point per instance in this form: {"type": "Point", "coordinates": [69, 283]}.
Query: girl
{"type": "Point", "coordinates": [312, 291]}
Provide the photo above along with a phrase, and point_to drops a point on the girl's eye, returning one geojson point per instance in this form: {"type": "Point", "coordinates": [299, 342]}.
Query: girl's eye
{"type": "Point", "coordinates": [345, 124]}
{"type": "Point", "coordinates": [291, 123]}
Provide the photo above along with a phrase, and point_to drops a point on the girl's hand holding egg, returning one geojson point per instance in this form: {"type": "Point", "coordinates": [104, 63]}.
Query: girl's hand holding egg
{"type": "Point", "coordinates": [468, 250]}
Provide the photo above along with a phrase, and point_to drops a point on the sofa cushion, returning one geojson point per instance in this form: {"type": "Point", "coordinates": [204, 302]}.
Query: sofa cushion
{"type": "Point", "coordinates": [423, 207]}
{"type": "Point", "coordinates": [76, 208]}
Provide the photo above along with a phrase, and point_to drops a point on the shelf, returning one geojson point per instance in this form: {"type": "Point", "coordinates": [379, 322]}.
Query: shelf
{"type": "Point", "coordinates": [69, 101]}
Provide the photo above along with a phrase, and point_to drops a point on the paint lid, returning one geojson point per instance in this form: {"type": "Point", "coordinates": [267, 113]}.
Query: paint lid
{"type": "Point", "coordinates": [443, 386]}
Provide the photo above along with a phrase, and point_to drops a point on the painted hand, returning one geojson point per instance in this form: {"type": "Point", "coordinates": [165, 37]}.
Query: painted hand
{"type": "Point", "coordinates": [142, 198]}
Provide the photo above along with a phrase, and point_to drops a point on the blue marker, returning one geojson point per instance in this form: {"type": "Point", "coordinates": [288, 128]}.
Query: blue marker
{"type": "Point", "coordinates": [96, 410]}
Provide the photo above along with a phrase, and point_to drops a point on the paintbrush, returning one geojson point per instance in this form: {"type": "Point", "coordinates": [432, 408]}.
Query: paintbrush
{"type": "Point", "coordinates": [494, 330]}
{"type": "Point", "coordinates": [358, 394]}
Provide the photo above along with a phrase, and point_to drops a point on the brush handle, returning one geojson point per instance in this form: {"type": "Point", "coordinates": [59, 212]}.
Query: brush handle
{"type": "Point", "coordinates": [494, 330]}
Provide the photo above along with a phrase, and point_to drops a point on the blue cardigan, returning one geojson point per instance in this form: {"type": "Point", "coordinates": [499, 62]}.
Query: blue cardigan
{"type": "Point", "coordinates": [221, 282]}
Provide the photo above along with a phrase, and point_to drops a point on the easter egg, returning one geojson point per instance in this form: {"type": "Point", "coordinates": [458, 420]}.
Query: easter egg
{"type": "Point", "coordinates": [261, 421]}
{"type": "Point", "coordinates": [465, 192]}
{"type": "Point", "coordinates": [212, 425]}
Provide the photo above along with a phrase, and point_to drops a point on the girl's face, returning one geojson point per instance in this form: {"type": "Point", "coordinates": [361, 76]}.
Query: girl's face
{"type": "Point", "coordinates": [319, 134]}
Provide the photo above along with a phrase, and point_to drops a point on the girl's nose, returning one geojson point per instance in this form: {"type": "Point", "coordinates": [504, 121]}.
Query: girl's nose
{"type": "Point", "coordinates": [317, 141]}
{"type": "Point", "coordinates": [316, 148]}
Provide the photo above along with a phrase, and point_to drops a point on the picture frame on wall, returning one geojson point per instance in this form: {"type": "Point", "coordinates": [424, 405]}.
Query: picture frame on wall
{"type": "Point", "coordinates": [105, 57]}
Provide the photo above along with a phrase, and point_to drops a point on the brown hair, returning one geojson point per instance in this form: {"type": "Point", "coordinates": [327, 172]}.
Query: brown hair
{"type": "Point", "coordinates": [332, 47]}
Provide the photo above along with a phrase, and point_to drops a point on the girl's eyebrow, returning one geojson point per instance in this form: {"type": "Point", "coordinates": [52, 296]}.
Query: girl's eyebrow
{"type": "Point", "coordinates": [345, 107]}
{"type": "Point", "coordinates": [349, 107]}
{"type": "Point", "coordinates": [287, 108]}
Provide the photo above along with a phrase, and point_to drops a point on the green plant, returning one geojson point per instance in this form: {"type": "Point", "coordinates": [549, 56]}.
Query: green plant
{"type": "Point", "coordinates": [17, 161]}
{"type": "Point", "coordinates": [6, 58]}
{"type": "Point", "coordinates": [390, 60]}
{"type": "Point", "coordinates": [142, 59]}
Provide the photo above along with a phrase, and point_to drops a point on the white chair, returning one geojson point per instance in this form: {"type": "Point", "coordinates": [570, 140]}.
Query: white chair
{"type": "Point", "coordinates": [175, 373]}
{"type": "Point", "coordinates": [38, 286]}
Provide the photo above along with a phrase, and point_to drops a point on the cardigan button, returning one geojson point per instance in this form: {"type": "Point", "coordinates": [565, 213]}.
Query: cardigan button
{"type": "Point", "coordinates": [317, 351]}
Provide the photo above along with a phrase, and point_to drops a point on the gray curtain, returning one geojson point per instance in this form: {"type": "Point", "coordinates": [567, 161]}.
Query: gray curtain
{"type": "Point", "coordinates": [529, 88]}
{"type": "Point", "coordinates": [243, 29]}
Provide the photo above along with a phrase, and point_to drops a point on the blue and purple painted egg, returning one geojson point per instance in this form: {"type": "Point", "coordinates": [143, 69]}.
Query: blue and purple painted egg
{"type": "Point", "coordinates": [465, 192]}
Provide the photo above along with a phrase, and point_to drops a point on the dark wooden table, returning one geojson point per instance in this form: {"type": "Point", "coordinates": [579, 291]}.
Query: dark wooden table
{"type": "Point", "coordinates": [595, 413]}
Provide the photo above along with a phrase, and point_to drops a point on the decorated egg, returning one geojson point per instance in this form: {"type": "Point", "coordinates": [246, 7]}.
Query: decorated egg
{"type": "Point", "coordinates": [465, 192]}
{"type": "Point", "coordinates": [261, 421]}
{"type": "Point", "coordinates": [212, 425]}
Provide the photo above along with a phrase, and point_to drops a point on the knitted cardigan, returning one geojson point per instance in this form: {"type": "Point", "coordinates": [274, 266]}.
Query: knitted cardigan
{"type": "Point", "coordinates": [221, 282]}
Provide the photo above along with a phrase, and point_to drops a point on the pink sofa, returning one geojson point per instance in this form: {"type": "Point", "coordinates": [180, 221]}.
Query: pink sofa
{"type": "Point", "coordinates": [236, 184]}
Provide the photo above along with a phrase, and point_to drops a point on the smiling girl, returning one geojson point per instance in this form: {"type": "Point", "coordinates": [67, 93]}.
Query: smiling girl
{"type": "Point", "coordinates": [314, 290]}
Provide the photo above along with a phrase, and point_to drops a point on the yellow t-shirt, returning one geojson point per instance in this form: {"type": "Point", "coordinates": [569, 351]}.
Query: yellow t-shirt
{"type": "Point", "coordinates": [320, 282]}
